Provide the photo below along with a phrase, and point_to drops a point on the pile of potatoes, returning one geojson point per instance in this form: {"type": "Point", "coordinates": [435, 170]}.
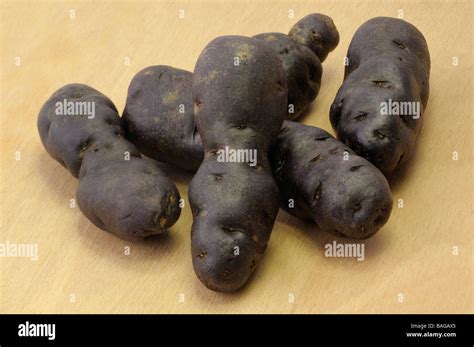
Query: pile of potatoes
{"type": "Point", "coordinates": [245, 94]}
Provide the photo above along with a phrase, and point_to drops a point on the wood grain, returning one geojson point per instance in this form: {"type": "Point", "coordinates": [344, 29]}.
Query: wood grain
{"type": "Point", "coordinates": [83, 269]}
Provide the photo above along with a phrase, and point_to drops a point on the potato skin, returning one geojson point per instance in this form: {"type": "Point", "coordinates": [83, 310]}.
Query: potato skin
{"type": "Point", "coordinates": [130, 198]}
{"type": "Point", "coordinates": [318, 32]}
{"type": "Point", "coordinates": [234, 204]}
{"type": "Point", "coordinates": [159, 118]}
{"type": "Point", "coordinates": [303, 71]}
{"type": "Point", "coordinates": [328, 183]}
{"type": "Point", "coordinates": [388, 59]}
{"type": "Point", "coordinates": [302, 51]}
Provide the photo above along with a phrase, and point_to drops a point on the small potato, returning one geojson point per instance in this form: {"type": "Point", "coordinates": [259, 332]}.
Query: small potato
{"type": "Point", "coordinates": [318, 32]}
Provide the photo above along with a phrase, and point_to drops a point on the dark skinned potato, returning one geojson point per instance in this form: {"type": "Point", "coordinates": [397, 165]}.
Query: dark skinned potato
{"type": "Point", "coordinates": [235, 204]}
{"type": "Point", "coordinates": [302, 51]}
{"type": "Point", "coordinates": [119, 191]}
{"type": "Point", "coordinates": [388, 62]}
{"type": "Point", "coordinates": [367, 218]}
{"type": "Point", "coordinates": [321, 179]}
{"type": "Point", "coordinates": [318, 32]}
{"type": "Point", "coordinates": [159, 117]}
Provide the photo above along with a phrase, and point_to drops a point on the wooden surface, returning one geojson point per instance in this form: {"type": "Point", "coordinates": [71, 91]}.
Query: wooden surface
{"type": "Point", "coordinates": [83, 269]}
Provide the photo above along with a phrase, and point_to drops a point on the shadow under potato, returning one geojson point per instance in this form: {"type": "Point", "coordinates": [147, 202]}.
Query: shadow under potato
{"type": "Point", "coordinates": [374, 246]}
{"type": "Point", "coordinates": [176, 174]}
{"type": "Point", "coordinates": [404, 172]}
{"type": "Point", "coordinates": [51, 173]}
{"type": "Point", "coordinates": [152, 250]}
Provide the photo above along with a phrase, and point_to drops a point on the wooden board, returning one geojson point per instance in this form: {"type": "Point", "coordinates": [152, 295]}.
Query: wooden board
{"type": "Point", "coordinates": [410, 266]}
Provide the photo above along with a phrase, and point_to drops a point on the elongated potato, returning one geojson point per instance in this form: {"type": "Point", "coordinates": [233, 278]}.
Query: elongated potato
{"type": "Point", "coordinates": [239, 93]}
{"type": "Point", "coordinates": [378, 109]}
{"type": "Point", "coordinates": [323, 180]}
{"type": "Point", "coordinates": [119, 191]}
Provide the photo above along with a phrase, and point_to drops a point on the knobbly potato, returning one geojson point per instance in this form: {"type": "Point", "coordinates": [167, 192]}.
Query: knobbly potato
{"type": "Point", "coordinates": [389, 64]}
{"type": "Point", "coordinates": [240, 96]}
{"type": "Point", "coordinates": [302, 51]}
{"type": "Point", "coordinates": [119, 191]}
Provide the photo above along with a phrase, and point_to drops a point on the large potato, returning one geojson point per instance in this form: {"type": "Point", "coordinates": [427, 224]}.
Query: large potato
{"type": "Point", "coordinates": [239, 94]}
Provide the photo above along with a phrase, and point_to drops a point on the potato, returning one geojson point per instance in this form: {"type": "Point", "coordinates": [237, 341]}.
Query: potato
{"type": "Point", "coordinates": [240, 95]}
{"type": "Point", "coordinates": [119, 191]}
{"type": "Point", "coordinates": [302, 51]}
{"type": "Point", "coordinates": [387, 75]}
{"type": "Point", "coordinates": [318, 32]}
{"type": "Point", "coordinates": [159, 119]}
{"type": "Point", "coordinates": [321, 179]}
